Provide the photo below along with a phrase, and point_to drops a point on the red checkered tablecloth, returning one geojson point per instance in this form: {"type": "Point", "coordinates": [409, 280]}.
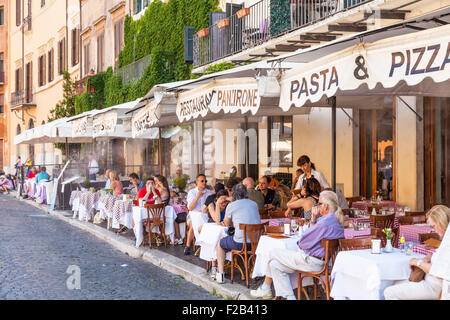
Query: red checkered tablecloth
{"type": "Point", "coordinates": [367, 220]}
{"type": "Point", "coordinates": [89, 201]}
{"type": "Point", "coordinates": [411, 232]}
{"type": "Point", "coordinates": [350, 233]}
{"type": "Point", "coordinates": [106, 205]}
{"type": "Point", "coordinates": [120, 208]}
{"type": "Point", "coordinates": [74, 195]}
{"type": "Point", "coordinates": [421, 248]}
{"type": "Point", "coordinates": [276, 222]}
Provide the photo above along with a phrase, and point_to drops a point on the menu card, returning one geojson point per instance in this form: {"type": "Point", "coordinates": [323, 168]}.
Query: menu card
{"type": "Point", "coordinates": [441, 259]}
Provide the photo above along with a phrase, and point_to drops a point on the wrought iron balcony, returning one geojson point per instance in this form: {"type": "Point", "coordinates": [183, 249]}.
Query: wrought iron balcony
{"type": "Point", "coordinates": [22, 98]}
{"type": "Point", "coordinates": [133, 72]}
{"type": "Point", "coordinates": [261, 22]}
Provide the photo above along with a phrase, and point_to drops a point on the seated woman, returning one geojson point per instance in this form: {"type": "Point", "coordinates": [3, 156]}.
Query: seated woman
{"type": "Point", "coordinates": [162, 186]}
{"type": "Point", "coordinates": [149, 193]}
{"type": "Point", "coordinates": [116, 184]}
{"type": "Point", "coordinates": [430, 287]}
{"type": "Point", "coordinates": [216, 209]}
{"type": "Point", "coordinates": [306, 199]}
{"type": "Point", "coordinates": [283, 195]}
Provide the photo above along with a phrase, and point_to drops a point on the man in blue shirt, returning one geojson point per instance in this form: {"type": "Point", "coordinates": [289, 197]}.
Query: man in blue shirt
{"type": "Point", "coordinates": [43, 175]}
{"type": "Point", "coordinates": [136, 182]}
{"type": "Point", "coordinates": [327, 222]}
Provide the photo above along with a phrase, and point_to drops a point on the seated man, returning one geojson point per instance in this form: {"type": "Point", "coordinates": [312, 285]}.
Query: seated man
{"type": "Point", "coordinates": [5, 184]}
{"type": "Point", "coordinates": [196, 199]}
{"type": "Point", "coordinates": [326, 223]}
{"type": "Point", "coordinates": [240, 211]}
{"type": "Point", "coordinates": [253, 194]}
{"type": "Point", "coordinates": [270, 197]}
{"type": "Point", "coordinates": [137, 183]}
{"type": "Point", "coordinates": [32, 173]}
{"type": "Point", "coordinates": [43, 175]}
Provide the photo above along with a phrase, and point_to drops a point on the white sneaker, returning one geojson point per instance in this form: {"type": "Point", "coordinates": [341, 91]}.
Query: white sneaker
{"type": "Point", "coordinates": [213, 273]}
{"type": "Point", "coordinates": [260, 293]}
{"type": "Point", "coordinates": [220, 278]}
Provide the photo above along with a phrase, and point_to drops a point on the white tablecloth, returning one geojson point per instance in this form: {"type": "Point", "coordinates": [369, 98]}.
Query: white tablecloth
{"type": "Point", "coordinates": [198, 219]}
{"type": "Point", "coordinates": [140, 214]}
{"type": "Point", "coordinates": [265, 245]}
{"type": "Point", "coordinates": [359, 274]}
{"type": "Point", "coordinates": [208, 239]}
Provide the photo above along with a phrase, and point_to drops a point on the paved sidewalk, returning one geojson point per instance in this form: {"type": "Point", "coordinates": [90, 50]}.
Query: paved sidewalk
{"type": "Point", "coordinates": [189, 271]}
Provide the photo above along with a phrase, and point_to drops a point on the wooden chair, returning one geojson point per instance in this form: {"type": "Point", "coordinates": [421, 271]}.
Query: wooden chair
{"type": "Point", "coordinates": [382, 221]}
{"type": "Point", "coordinates": [264, 213]}
{"type": "Point", "coordinates": [350, 200]}
{"type": "Point", "coordinates": [156, 218]}
{"type": "Point", "coordinates": [331, 251]}
{"type": "Point", "coordinates": [278, 213]}
{"type": "Point", "coordinates": [346, 212]}
{"type": "Point", "coordinates": [425, 236]}
{"type": "Point", "coordinates": [378, 233]}
{"type": "Point", "coordinates": [252, 232]}
{"type": "Point", "coordinates": [273, 229]}
{"type": "Point", "coordinates": [414, 213]}
{"type": "Point", "coordinates": [296, 191]}
{"type": "Point", "coordinates": [355, 244]}
{"type": "Point", "coordinates": [408, 220]}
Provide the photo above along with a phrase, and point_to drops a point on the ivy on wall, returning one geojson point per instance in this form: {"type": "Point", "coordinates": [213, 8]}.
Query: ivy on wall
{"type": "Point", "coordinates": [280, 19]}
{"type": "Point", "coordinates": [159, 32]}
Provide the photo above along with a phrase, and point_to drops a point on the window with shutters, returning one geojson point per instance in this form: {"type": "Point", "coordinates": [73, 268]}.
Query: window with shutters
{"type": "Point", "coordinates": [2, 105]}
{"type": "Point", "coordinates": [118, 37]}
{"type": "Point", "coordinates": [18, 12]}
{"type": "Point", "coordinates": [42, 3]}
{"type": "Point", "coordinates": [61, 56]}
{"type": "Point", "coordinates": [75, 46]}
{"type": "Point", "coordinates": [29, 15]}
{"type": "Point", "coordinates": [42, 70]}
{"type": "Point", "coordinates": [2, 16]}
{"type": "Point", "coordinates": [2, 68]}
{"type": "Point", "coordinates": [29, 82]}
{"type": "Point", "coordinates": [19, 86]}
{"type": "Point", "coordinates": [87, 63]}
{"type": "Point", "coordinates": [50, 65]}
{"type": "Point", "coordinates": [100, 52]}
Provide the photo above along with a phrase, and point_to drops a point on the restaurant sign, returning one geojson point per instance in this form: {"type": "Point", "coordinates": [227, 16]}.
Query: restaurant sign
{"type": "Point", "coordinates": [145, 118]}
{"type": "Point", "coordinates": [229, 96]}
{"type": "Point", "coordinates": [79, 127]}
{"type": "Point", "coordinates": [104, 124]}
{"type": "Point", "coordinates": [410, 58]}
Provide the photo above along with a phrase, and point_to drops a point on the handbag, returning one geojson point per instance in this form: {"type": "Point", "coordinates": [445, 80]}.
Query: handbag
{"type": "Point", "coordinates": [417, 274]}
{"type": "Point", "coordinates": [230, 231]}
{"type": "Point", "coordinates": [181, 217]}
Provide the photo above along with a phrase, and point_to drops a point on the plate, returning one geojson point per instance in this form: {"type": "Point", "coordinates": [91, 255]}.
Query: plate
{"type": "Point", "coordinates": [277, 236]}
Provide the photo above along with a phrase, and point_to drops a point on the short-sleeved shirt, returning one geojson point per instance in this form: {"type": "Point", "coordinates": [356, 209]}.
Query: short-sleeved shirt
{"type": "Point", "coordinates": [256, 196]}
{"type": "Point", "coordinates": [31, 175]}
{"type": "Point", "coordinates": [210, 199]}
{"type": "Point", "coordinates": [192, 194]}
{"type": "Point", "coordinates": [117, 187]}
{"type": "Point", "coordinates": [150, 199]}
{"type": "Point", "coordinates": [42, 176]}
{"type": "Point", "coordinates": [317, 175]}
{"type": "Point", "coordinates": [242, 211]}
{"type": "Point", "coordinates": [269, 197]}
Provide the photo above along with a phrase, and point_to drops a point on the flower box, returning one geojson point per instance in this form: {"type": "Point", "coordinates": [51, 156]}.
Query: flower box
{"type": "Point", "coordinates": [243, 12]}
{"type": "Point", "coordinates": [203, 33]}
{"type": "Point", "coordinates": [223, 23]}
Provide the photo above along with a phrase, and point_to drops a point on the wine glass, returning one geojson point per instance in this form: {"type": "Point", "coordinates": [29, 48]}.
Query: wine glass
{"type": "Point", "coordinates": [294, 225]}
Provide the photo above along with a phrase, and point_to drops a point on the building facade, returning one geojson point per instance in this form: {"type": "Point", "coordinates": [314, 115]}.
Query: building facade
{"type": "Point", "coordinates": [4, 21]}
{"type": "Point", "coordinates": [43, 42]}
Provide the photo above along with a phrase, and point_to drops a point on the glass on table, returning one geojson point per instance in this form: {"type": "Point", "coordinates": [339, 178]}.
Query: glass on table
{"type": "Point", "coordinates": [409, 247]}
{"type": "Point", "coordinates": [294, 225]}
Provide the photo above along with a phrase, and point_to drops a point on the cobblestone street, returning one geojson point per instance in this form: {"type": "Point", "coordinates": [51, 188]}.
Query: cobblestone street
{"type": "Point", "coordinates": [36, 251]}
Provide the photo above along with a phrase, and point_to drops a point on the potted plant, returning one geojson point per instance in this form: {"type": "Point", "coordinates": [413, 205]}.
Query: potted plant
{"type": "Point", "coordinates": [181, 182]}
{"type": "Point", "coordinates": [223, 23]}
{"type": "Point", "coordinates": [243, 12]}
{"type": "Point", "coordinates": [203, 33]}
{"type": "Point", "coordinates": [389, 236]}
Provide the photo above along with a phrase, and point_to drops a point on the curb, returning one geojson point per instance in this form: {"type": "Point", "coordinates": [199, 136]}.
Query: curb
{"type": "Point", "coordinates": [190, 272]}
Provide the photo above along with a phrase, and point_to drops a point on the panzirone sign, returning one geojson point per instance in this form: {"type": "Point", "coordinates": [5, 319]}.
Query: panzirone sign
{"type": "Point", "coordinates": [79, 127]}
{"type": "Point", "coordinates": [145, 118]}
{"type": "Point", "coordinates": [410, 58]}
{"type": "Point", "coordinates": [229, 95]}
{"type": "Point", "coordinates": [104, 124]}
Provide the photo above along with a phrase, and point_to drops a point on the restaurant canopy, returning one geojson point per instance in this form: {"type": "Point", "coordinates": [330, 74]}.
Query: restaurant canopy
{"type": "Point", "coordinates": [396, 65]}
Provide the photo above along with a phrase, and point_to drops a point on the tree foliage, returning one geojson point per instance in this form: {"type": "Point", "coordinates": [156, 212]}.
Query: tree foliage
{"type": "Point", "coordinates": [66, 106]}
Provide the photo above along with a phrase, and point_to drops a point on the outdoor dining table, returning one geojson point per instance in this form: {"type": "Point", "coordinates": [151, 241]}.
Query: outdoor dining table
{"type": "Point", "coordinates": [411, 232]}
{"type": "Point", "coordinates": [208, 240]}
{"type": "Point", "coordinates": [364, 205]}
{"type": "Point", "coordinates": [122, 213]}
{"type": "Point", "coordinates": [140, 215]}
{"type": "Point", "coordinates": [88, 202]}
{"type": "Point", "coordinates": [41, 191]}
{"type": "Point", "coordinates": [351, 233]}
{"type": "Point", "coordinates": [366, 219]}
{"type": "Point", "coordinates": [74, 200]}
{"type": "Point", "coordinates": [30, 185]}
{"type": "Point", "coordinates": [359, 274]}
{"type": "Point", "coordinates": [276, 221]}
{"type": "Point", "coordinates": [424, 249]}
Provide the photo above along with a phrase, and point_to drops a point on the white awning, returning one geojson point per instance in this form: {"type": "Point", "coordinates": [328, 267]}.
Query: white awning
{"type": "Point", "coordinates": [144, 120]}
{"type": "Point", "coordinates": [227, 95]}
{"type": "Point", "coordinates": [366, 67]}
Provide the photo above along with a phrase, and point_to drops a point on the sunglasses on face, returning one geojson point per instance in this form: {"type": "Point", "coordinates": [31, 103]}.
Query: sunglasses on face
{"type": "Point", "coordinates": [202, 180]}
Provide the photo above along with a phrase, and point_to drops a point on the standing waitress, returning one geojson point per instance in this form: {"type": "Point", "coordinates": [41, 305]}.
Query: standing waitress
{"type": "Point", "coordinates": [309, 170]}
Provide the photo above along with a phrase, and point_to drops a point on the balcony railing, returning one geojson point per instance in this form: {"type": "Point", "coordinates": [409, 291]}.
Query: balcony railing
{"type": "Point", "coordinates": [267, 19]}
{"type": "Point", "coordinates": [21, 97]}
{"type": "Point", "coordinates": [133, 72]}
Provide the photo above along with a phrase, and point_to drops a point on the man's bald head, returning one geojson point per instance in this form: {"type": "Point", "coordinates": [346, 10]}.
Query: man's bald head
{"type": "Point", "coordinates": [248, 182]}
